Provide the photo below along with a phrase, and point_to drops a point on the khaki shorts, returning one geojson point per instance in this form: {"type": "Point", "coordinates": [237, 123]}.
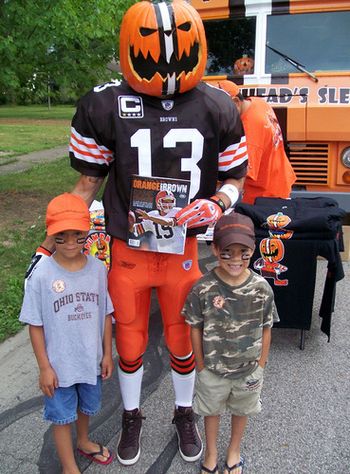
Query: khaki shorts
{"type": "Point", "coordinates": [215, 394]}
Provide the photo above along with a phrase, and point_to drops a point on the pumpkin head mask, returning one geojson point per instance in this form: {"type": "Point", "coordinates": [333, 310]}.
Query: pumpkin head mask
{"type": "Point", "coordinates": [162, 47]}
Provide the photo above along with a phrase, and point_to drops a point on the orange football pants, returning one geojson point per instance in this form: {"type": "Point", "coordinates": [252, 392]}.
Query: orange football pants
{"type": "Point", "coordinates": [131, 278]}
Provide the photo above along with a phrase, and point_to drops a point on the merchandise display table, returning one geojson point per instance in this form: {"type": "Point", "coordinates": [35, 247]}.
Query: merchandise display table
{"type": "Point", "coordinates": [294, 297]}
{"type": "Point", "coordinates": [290, 235]}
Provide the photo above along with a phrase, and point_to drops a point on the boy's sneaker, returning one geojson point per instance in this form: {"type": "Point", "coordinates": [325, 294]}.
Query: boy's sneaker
{"type": "Point", "coordinates": [128, 451]}
{"type": "Point", "coordinates": [189, 441]}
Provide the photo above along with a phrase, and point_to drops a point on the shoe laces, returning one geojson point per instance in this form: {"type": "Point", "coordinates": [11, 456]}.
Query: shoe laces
{"type": "Point", "coordinates": [131, 424]}
{"type": "Point", "coordinates": [187, 427]}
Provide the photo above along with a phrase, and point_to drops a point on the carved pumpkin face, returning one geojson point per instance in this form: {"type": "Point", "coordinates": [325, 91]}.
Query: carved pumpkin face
{"type": "Point", "coordinates": [244, 65]}
{"type": "Point", "coordinates": [162, 47]}
{"type": "Point", "coordinates": [272, 250]}
{"type": "Point", "coordinates": [278, 221]}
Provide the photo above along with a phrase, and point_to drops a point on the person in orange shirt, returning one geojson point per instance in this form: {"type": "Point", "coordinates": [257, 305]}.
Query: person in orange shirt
{"type": "Point", "coordinates": [270, 173]}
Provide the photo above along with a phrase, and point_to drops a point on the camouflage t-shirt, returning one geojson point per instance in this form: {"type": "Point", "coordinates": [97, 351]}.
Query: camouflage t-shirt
{"type": "Point", "coordinates": [232, 319]}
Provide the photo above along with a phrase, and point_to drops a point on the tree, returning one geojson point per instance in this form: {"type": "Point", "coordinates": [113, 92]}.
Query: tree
{"type": "Point", "coordinates": [63, 45]}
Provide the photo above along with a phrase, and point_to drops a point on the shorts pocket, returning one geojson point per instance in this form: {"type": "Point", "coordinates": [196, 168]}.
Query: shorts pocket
{"type": "Point", "coordinates": [253, 381]}
{"type": "Point", "coordinates": [200, 372]}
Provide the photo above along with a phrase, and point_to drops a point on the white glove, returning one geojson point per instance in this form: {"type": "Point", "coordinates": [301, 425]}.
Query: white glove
{"type": "Point", "coordinates": [201, 212]}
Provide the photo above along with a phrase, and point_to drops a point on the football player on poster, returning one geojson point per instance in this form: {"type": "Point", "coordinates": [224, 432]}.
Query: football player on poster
{"type": "Point", "coordinates": [160, 226]}
{"type": "Point", "coordinates": [160, 121]}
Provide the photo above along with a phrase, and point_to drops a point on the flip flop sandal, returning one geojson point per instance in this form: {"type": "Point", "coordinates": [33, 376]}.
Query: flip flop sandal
{"type": "Point", "coordinates": [93, 458]}
{"type": "Point", "coordinates": [235, 466]}
{"type": "Point", "coordinates": [205, 469]}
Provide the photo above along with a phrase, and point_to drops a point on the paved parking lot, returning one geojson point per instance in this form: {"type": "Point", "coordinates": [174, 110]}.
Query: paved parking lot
{"type": "Point", "coordinates": [303, 428]}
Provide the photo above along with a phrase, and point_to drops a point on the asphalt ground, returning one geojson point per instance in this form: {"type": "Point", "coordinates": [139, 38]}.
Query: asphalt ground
{"type": "Point", "coordinates": [304, 426]}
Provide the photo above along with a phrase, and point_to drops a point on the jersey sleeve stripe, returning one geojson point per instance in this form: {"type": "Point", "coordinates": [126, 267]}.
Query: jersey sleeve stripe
{"type": "Point", "coordinates": [87, 149]}
{"type": "Point", "coordinates": [235, 146]}
{"type": "Point", "coordinates": [239, 151]}
{"type": "Point", "coordinates": [234, 155]}
{"type": "Point", "coordinates": [81, 155]}
{"type": "Point", "coordinates": [88, 142]}
{"type": "Point", "coordinates": [232, 164]}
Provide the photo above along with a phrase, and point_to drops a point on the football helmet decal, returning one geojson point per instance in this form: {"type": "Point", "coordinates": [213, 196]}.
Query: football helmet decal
{"type": "Point", "coordinates": [165, 201]}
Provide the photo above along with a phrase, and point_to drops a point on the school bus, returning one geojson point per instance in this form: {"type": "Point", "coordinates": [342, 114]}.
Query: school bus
{"type": "Point", "coordinates": [295, 54]}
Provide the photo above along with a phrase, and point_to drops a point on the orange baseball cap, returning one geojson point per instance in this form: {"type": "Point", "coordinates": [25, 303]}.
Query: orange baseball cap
{"type": "Point", "coordinates": [230, 87]}
{"type": "Point", "coordinates": [67, 212]}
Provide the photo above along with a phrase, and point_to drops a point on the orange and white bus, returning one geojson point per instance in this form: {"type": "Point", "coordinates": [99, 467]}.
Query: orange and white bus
{"type": "Point", "coordinates": [295, 54]}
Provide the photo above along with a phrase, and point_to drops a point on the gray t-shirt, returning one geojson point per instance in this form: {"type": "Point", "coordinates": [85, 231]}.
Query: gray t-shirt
{"type": "Point", "coordinates": [71, 307]}
{"type": "Point", "coordinates": [232, 319]}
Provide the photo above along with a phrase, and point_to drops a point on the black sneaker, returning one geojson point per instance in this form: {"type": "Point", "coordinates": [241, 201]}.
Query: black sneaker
{"type": "Point", "coordinates": [189, 441]}
{"type": "Point", "coordinates": [128, 451]}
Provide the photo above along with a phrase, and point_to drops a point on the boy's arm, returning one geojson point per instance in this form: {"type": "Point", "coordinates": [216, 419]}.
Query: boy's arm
{"type": "Point", "coordinates": [107, 360]}
{"type": "Point", "coordinates": [47, 379]}
{"type": "Point", "coordinates": [166, 221]}
{"type": "Point", "coordinates": [266, 341]}
{"type": "Point", "coordinates": [197, 344]}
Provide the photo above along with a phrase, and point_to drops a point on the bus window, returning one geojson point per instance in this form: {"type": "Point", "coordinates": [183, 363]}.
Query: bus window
{"type": "Point", "coordinates": [231, 46]}
{"type": "Point", "coordinates": [318, 41]}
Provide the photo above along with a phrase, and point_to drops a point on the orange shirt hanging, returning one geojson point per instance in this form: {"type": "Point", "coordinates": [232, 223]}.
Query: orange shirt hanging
{"type": "Point", "coordinates": [270, 173]}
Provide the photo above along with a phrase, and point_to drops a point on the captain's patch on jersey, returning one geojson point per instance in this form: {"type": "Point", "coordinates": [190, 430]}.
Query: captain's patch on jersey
{"type": "Point", "coordinates": [130, 106]}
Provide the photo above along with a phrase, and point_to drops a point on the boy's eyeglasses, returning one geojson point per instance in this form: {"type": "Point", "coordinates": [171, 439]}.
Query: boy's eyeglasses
{"type": "Point", "coordinates": [61, 240]}
{"type": "Point", "coordinates": [229, 256]}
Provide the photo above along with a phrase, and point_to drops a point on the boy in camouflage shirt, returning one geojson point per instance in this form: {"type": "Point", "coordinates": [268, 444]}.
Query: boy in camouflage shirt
{"type": "Point", "coordinates": [231, 311]}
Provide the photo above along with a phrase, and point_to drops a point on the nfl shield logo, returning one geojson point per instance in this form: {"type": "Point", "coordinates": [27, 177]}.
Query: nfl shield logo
{"type": "Point", "coordinates": [167, 104]}
{"type": "Point", "coordinates": [187, 264]}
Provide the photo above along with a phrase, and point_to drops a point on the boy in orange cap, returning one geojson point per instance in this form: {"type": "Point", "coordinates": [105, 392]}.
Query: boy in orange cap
{"type": "Point", "coordinates": [68, 309]}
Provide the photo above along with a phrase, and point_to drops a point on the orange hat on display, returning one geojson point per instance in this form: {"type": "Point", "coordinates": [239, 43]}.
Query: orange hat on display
{"type": "Point", "coordinates": [230, 87]}
{"type": "Point", "coordinates": [67, 212]}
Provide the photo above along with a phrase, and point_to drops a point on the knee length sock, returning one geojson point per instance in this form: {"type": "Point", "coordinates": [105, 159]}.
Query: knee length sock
{"type": "Point", "coordinates": [183, 375]}
{"type": "Point", "coordinates": [130, 387]}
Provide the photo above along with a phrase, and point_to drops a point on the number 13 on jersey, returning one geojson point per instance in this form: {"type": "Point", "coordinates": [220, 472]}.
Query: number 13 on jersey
{"type": "Point", "coordinates": [142, 141]}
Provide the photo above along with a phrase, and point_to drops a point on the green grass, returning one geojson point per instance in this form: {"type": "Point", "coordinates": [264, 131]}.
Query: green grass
{"type": "Point", "coordinates": [59, 112]}
{"type": "Point", "coordinates": [27, 129]}
{"type": "Point", "coordinates": [25, 138]}
{"type": "Point", "coordinates": [24, 197]}
{"type": "Point", "coordinates": [48, 178]}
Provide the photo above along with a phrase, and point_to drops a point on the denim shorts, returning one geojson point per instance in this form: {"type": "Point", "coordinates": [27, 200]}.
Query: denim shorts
{"type": "Point", "coordinates": [215, 394]}
{"type": "Point", "coordinates": [62, 408]}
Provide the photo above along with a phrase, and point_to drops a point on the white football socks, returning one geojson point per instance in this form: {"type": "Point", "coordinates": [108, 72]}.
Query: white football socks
{"type": "Point", "coordinates": [130, 388]}
{"type": "Point", "coordinates": [183, 388]}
